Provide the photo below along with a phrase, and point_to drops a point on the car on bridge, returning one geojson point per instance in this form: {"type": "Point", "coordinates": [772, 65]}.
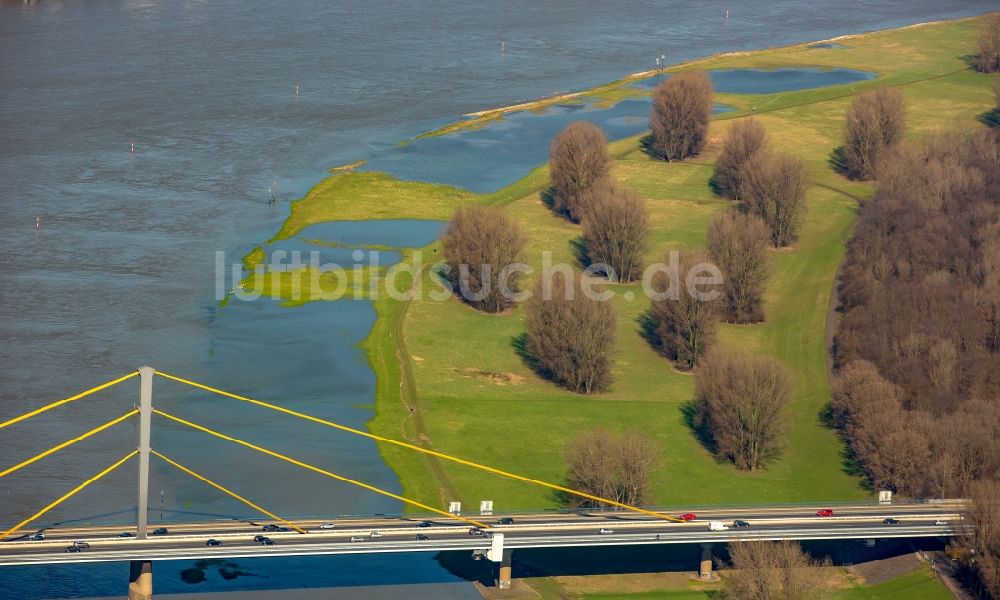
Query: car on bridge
{"type": "Point", "coordinates": [271, 528]}
{"type": "Point", "coordinates": [214, 542]}
{"type": "Point", "coordinates": [267, 542]}
{"type": "Point", "coordinates": [688, 517]}
{"type": "Point", "coordinates": [740, 524]}
{"type": "Point", "coordinates": [81, 544]}
{"type": "Point", "coordinates": [506, 521]}
{"type": "Point", "coordinates": [36, 537]}
{"type": "Point", "coordinates": [824, 512]}
{"type": "Point", "coordinates": [425, 524]}
{"type": "Point", "coordinates": [357, 538]}
{"type": "Point", "coordinates": [259, 538]}
{"type": "Point", "coordinates": [327, 526]}
{"type": "Point", "coordinates": [421, 537]}
{"type": "Point", "coordinates": [125, 534]}
{"type": "Point", "coordinates": [375, 534]}
{"type": "Point", "coordinates": [940, 523]}
{"type": "Point", "coordinates": [476, 531]}
{"type": "Point", "coordinates": [74, 548]}
{"type": "Point", "coordinates": [605, 531]}
{"type": "Point", "coordinates": [160, 531]}
{"type": "Point", "coordinates": [891, 521]}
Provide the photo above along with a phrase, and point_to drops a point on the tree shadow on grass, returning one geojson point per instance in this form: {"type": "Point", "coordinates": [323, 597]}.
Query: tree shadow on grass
{"type": "Point", "coordinates": [647, 330]}
{"type": "Point", "coordinates": [578, 246]}
{"type": "Point", "coordinates": [848, 460]}
{"type": "Point", "coordinates": [990, 118]}
{"type": "Point", "coordinates": [548, 198]}
{"type": "Point", "coordinates": [648, 146]}
{"type": "Point", "coordinates": [696, 423]}
{"type": "Point", "coordinates": [837, 161]}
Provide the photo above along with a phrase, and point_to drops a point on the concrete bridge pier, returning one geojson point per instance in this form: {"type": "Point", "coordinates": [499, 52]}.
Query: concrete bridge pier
{"type": "Point", "coordinates": [503, 580]}
{"type": "Point", "coordinates": [705, 569]}
{"type": "Point", "coordinates": [140, 580]}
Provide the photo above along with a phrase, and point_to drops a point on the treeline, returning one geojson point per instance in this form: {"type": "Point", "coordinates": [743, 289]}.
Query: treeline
{"type": "Point", "coordinates": [918, 348]}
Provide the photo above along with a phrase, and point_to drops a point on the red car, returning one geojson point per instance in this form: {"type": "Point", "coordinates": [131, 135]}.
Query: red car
{"type": "Point", "coordinates": [826, 512]}
{"type": "Point", "coordinates": [688, 517]}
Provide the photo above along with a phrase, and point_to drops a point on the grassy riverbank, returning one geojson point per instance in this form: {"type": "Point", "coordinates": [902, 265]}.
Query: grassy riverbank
{"type": "Point", "coordinates": [451, 378]}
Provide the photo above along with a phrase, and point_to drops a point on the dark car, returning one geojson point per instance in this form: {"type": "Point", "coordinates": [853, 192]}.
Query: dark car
{"type": "Point", "coordinates": [425, 524]}
{"type": "Point", "coordinates": [476, 531]}
{"type": "Point", "coordinates": [160, 531]}
{"type": "Point", "coordinates": [891, 521]}
{"type": "Point", "coordinates": [267, 542]}
{"type": "Point", "coordinates": [421, 537]}
{"type": "Point", "coordinates": [740, 524]}
{"type": "Point", "coordinates": [282, 529]}
{"type": "Point", "coordinates": [506, 521]}
{"type": "Point", "coordinates": [74, 548]}
{"type": "Point", "coordinates": [259, 538]}
{"type": "Point", "coordinates": [125, 534]}
{"type": "Point", "coordinates": [213, 542]}
{"type": "Point", "coordinates": [271, 528]}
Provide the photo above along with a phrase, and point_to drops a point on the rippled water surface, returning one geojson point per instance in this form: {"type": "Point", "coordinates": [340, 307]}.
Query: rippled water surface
{"type": "Point", "coordinates": [144, 136]}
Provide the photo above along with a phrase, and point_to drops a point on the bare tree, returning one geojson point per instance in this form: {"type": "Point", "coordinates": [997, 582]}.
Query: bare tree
{"type": "Point", "coordinates": [744, 138]}
{"type": "Point", "coordinates": [988, 58]}
{"type": "Point", "coordinates": [773, 571]}
{"type": "Point", "coordinates": [578, 158]}
{"type": "Point", "coordinates": [682, 107]}
{"type": "Point", "coordinates": [875, 121]}
{"type": "Point", "coordinates": [480, 245]}
{"type": "Point", "coordinates": [984, 539]}
{"type": "Point", "coordinates": [613, 466]}
{"type": "Point", "coordinates": [741, 400]}
{"type": "Point", "coordinates": [683, 325]}
{"type": "Point", "coordinates": [614, 230]}
{"type": "Point", "coordinates": [570, 337]}
{"type": "Point", "coordinates": [738, 243]}
{"type": "Point", "coordinates": [774, 187]}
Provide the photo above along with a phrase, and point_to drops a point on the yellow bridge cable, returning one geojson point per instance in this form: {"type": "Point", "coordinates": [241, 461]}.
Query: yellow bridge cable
{"type": "Point", "coordinates": [416, 448]}
{"type": "Point", "coordinates": [315, 469]}
{"type": "Point", "coordinates": [228, 491]}
{"type": "Point", "coordinates": [67, 443]}
{"type": "Point", "coordinates": [68, 494]}
{"type": "Point", "coordinates": [82, 394]}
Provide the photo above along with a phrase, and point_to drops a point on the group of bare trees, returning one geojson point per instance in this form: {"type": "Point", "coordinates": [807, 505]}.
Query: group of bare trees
{"type": "Point", "coordinates": [614, 219]}
{"type": "Point", "coordinates": [875, 122]}
{"type": "Point", "coordinates": [773, 571]}
{"type": "Point", "coordinates": [740, 401]}
{"type": "Point", "coordinates": [570, 336]}
{"type": "Point", "coordinates": [679, 323]}
{"type": "Point", "coordinates": [918, 349]}
{"type": "Point", "coordinates": [768, 183]}
{"type": "Point", "coordinates": [737, 244]}
{"type": "Point", "coordinates": [614, 466]}
{"type": "Point", "coordinates": [480, 245]}
{"type": "Point", "coordinates": [682, 107]}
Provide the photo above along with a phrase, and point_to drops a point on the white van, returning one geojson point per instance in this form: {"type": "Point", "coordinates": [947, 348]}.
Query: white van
{"type": "Point", "coordinates": [717, 526]}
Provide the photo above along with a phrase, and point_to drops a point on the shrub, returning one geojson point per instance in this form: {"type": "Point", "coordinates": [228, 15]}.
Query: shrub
{"type": "Point", "coordinates": [741, 400]}
{"type": "Point", "coordinates": [614, 230]}
{"type": "Point", "coordinates": [682, 107]}
{"type": "Point", "coordinates": [480, 244]}
{"type": "Point", "coordinates": [612, 466]}
{"type": "Point", "coordinates": [773, 571]}
{"type": "Point", "coordinates": [875, 121]}
{"type": "Point", "coordinates": [744, 138]}
{"type": "Point", "coordinates": [578, 158]}
{"type": "Point", "coordinates": [681, 325]}
{"type": "Point", "coordinates": [570, 337]}
{"type": "Point", "coordinates": [737, 243]}
{"type": "Point", "coordinates": [774, 188]}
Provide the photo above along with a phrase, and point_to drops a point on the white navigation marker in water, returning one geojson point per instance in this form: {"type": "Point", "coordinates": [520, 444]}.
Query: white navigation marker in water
{"type": "Point", "coordinates": [131, 147]}
{"type": "Point", "coordinates": [727, 13]}
{"type": "Point", "coordinates": [296, 89]}
{"type": "Point", "coordinates": [38, 222]}
{"type": "Point", "coordinates": [503, 47]}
